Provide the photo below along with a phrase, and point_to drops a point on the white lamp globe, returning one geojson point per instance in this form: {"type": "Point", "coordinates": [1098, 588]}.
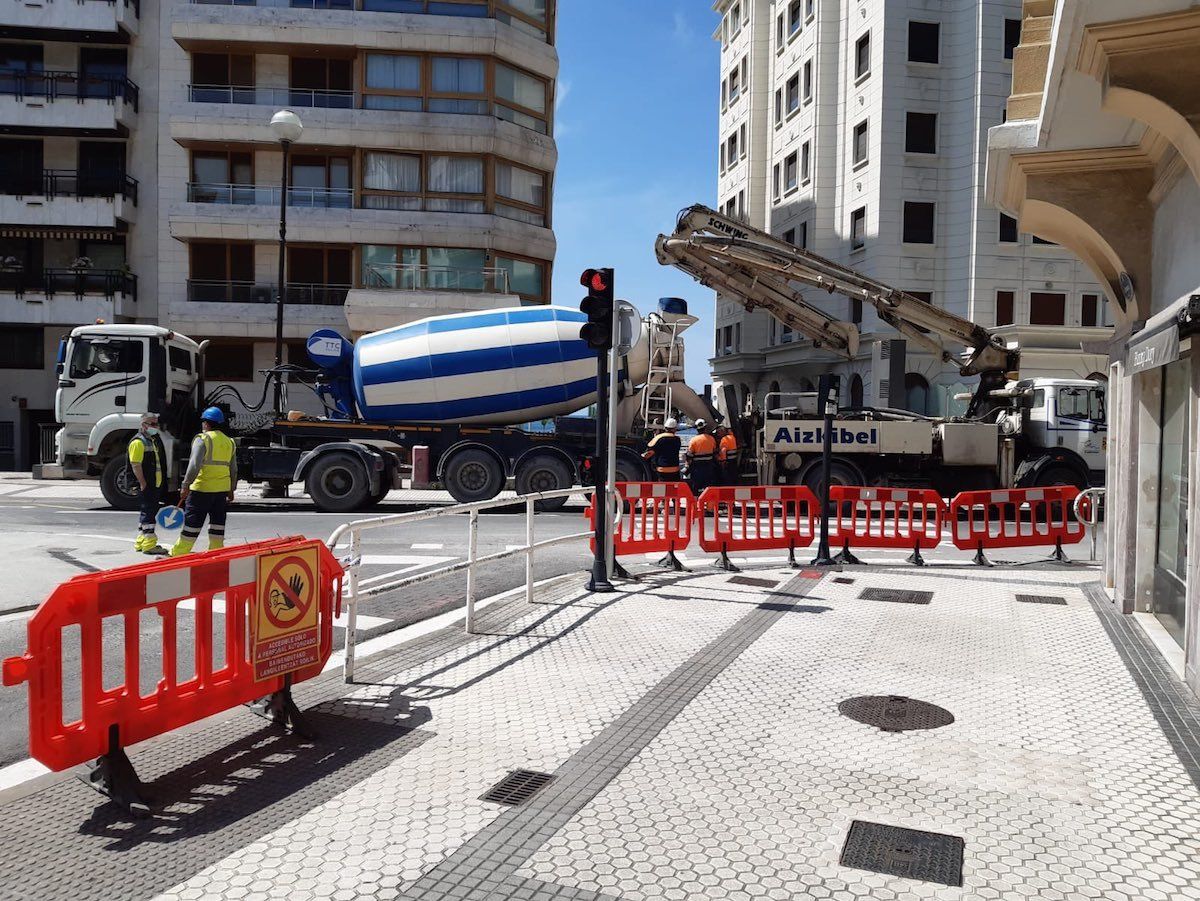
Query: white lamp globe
{"type": "Point", "coordinates": [286, 126]}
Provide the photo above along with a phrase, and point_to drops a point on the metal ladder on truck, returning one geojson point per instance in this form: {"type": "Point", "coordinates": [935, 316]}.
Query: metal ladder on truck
{"type": "Point", "coordinates": [665, 352]}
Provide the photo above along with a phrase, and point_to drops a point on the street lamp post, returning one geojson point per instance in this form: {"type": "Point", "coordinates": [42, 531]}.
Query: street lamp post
{"type": "Point", "coordinates": [287, 127]}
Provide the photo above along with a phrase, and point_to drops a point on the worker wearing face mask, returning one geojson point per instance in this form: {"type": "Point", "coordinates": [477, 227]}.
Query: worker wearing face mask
{"type": "Point", "coordinates": [147, 466]}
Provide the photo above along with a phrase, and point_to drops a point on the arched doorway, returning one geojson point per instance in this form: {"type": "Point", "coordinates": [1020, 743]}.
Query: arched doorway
{"type": "Point", "coordinates": [916, 393]}
{"type": "Point", "coordinates": [1098, 377]}
{"type": "Point", "coordinates": [856, 392]}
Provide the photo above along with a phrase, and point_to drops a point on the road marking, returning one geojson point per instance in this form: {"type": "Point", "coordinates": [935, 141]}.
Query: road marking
{"type": "Point", "coordinates": [20, 772]}
{"type": "Point", "coordinates": [361, 622]}
{"type": "Point", "coordinates": [428, 547]}
{"type": "Point", "coordinates": [414, 563]}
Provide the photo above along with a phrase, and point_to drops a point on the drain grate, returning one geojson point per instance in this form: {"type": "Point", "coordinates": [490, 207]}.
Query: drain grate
{"type": "Point", "coordinates": [756, 583]}
{"type": "Point", "coordinates": [894, 713]}
{"type": "Point", "coordinates": [896, 596]}
{"type": "Point", "coordinates": [517, 787]}
{"type": "Point", "coordinates": [928, 856]}
{"type": "Point", "coordinates": [1041, 599]}
{"type": "Point", "coordinates": [842, 580]}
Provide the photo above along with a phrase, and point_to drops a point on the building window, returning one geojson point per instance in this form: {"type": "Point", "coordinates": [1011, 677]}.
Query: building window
{"type": "Point", "coordinates": [789, 236]}
{"type": "Point", "coordinates": [860, 144]}
{"type": "Point", "coordinates": [724, 94]}
{"type": "Point", "coordinates": [806, 162]}
{"type": "Point", "coordinates": [779, 107]}
{"type": "Point", "coordinates": [526, 278]}
{"type": "Point", "coordinates": [735, 85]}
{"type": "Point", "coordinates": [858, 228]}
{"type": "Point", "coordinates": [810, 9]}
{"type": "Point", "coordinates": [735, 20]}
{"type": "Point", "coordinates": [776, 183]}
{"type": "Point", "coordinates": [22, 347]}
{"type": "Point", "coordinates": [1012, 37]}
{"type": "Point", "coordinates": [862, 57]}
{"type": "Point", "coordinates": [721, 151]}
{"type": "Point", "coordinates": [790, 168]}
{"type": "Point", "coordinates": [793, 93]}
{"type": "Point", "coordinates": [794, 17]}
{"type": "Point", "coordinates": [1043, 242]}
{"type": "Point", "coordinates": [920, 133]}
{"type": "Point", "coordinates": [521, 98]}
{"type": "Point", "coordinates": [741, 204]}
{"type": "Point", "coordinates": [926, 297]}
{"type": "Point", "coordinates": [520, 193]}
{"type": "Point", "coordinates": [1006, 307]}
{"type": "Point", "coordinates": [779, 33]}
{"type": "Point", "coordinates": [1047, 308]}
{"type": "Point", "coordinates": [803, 234]}
{"type": "Point", "coordinates": [1089, 314]}
{"type": "Point", "coordinates": [745, 144]}
{"type": "Point", "coordinates": [918, 222]}
{"type": "Point", "coordinates": [856, 392]}
{"type": "Point", "coordinates": [731, 150]}
{"type": "Point", "coordinates": [916, 393]}
{"type": "Point", "coordinates": [808, 81]}
{"type": "Point", "coordinates": [924, 40]}
{"type": "Point", "coordinates": [1008, 230]}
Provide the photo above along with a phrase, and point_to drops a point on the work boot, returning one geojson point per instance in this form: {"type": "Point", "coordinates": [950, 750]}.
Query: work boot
{"type": "Point", "coordinates": [182, 546]}
{"type": "Point", "coordinates": [215, 544]}
{"type": "Point", "coordinates": [157, 551]}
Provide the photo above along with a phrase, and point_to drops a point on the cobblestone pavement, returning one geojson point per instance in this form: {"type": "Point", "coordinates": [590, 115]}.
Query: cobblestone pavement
{"type": "Point", "coordinates": [708, 736]}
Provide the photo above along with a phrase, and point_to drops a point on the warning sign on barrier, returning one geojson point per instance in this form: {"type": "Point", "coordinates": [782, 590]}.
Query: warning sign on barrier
{"type": "Point", "coordinates": [286, 637]}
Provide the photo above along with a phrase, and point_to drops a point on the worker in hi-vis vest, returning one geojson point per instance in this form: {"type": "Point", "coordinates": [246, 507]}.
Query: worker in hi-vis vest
{"type": "Point", "coordinates": [147, 466]}
{"type": "Point", "coordinates": [663, 452]}
{"type": "Point", "coordinates": [701, 459]}
{"type": "Point", "coordinates": [208, 484]}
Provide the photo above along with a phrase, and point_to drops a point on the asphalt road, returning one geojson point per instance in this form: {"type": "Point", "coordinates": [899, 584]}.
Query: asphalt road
{"type": "Point", "coordinates": [51, 539]}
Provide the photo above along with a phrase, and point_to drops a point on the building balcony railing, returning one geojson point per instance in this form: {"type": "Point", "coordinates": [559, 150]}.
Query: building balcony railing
{"type": "Point", "coordinates": [68, 183]}
{"type": "Point", "coordinates": [258, 195]}
{"type": "Point", "coordinates": [400, 277]}
{"type": "Point", "coordinates": [250, 95]}
{"type": "Point", "coordinates": [79, 282]}
{"type": "Point", "coordinates": [51, 86]}
{"type": "Point", "coordinates": [234, 291]}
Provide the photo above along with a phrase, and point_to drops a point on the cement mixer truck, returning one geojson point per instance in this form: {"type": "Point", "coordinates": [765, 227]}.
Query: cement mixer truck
{"type": "Point", "coordinates": [442, 400]}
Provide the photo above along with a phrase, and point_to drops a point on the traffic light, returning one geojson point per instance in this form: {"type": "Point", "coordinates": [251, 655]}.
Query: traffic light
{"type": "Point", "coordinates": [598, 305]}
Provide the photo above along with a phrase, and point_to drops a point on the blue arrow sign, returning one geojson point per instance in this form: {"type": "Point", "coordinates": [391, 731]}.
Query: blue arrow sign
{"type": "Point", "coordinates": [169, 518]}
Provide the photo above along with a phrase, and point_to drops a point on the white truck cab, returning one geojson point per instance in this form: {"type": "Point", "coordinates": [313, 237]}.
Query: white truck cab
{"type": "Point", "coordinates": [1068, 417]}
{"type": "Point", "coordinates": [108, 376]}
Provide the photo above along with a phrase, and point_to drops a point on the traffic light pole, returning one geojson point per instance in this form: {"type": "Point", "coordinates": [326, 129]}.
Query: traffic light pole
{"type": "Point", "coordinates": [824, 558]}
{"type": "Point", "coordinates": [600, 579]}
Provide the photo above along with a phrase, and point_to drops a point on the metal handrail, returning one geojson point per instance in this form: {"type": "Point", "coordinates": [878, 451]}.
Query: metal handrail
{"type": "Point", "coordinates": [201, 290]}
{"type": "Point", "coordinates": [69, 183]}
{"type": "Point", "coordinates": [355, 530]}
{"type": "Point", "coordinates": [253, 95]}
{"type": "Point", "coordinates": [80, 282]}
{"type": "Point", "coordinates": [265, 195]}
{"type": "Point", "coordinates": [1095, 500]}
{"type": "Point", "coordinates": [54, 85]}
{"type": "Point", "coordinates": [414, 277]}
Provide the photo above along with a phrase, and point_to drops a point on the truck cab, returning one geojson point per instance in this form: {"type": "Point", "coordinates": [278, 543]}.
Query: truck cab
{"type": "Point", "coordinates": [1067, 420]}
{"type": "Point", "coordinates": [108, 376]}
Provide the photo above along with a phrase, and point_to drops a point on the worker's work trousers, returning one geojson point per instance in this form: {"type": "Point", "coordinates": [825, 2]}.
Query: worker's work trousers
{"type": "Point", "coordinates": [729, 472]}
{"type": "Point", "coordinates": [668, 476]}
{"type": "Point", "coordinates": [147, 539]}
{"type": "Point", "coordinates": [202, 505]}
{"type": "Point", "coordinates": [700, 476]}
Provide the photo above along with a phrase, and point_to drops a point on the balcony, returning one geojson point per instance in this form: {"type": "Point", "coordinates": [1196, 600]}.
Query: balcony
{"type": "Point", "coordinates": [66, 197]}
{"type": "Point", "coordinates": [66, 296]}
{"type": "Point", "coordinates": [301, 98]}
{"type": "Point", "coordinates": [66, 102]}
{"type": "Point", "coordinates": [55, 20]}
{"type": "Point", "coordinates": [257, 195]}
{"type": "Point", "coordinates": [403, 277]}
{"type": "Point", "coordinates": [398, 294]}
{"type": "Point", "coordinates": [218, 291]}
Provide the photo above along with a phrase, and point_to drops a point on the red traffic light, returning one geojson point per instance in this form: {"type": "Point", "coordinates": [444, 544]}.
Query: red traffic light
{"type": "Point", "coordinates": [597, 281]}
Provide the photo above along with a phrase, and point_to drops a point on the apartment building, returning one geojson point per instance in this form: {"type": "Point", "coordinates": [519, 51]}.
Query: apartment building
{"type": "Point", "coordinates": [421, 182]}
{"type": "Point", "coordinates": [858, 129]}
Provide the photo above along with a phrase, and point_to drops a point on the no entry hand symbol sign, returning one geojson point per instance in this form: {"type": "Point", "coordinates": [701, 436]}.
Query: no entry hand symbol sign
{"type": "Point", "coordinates": [286, 637]}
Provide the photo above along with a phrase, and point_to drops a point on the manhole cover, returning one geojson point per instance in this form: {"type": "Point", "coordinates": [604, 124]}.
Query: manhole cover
{"type": "Point", "coordinates": [1041, 599]}
{"type": "Point", "coordinates": [517, 787]}
{"type": "Point", "coordinates": [893, 713]}
{"type": "Point", "coordinates": [928, 856]}
{"type": "Point", "coordinates": [896, 595]}
{"type": "Point", "coordinates": [842, 580]}
{"type": "Point", "coordinates": [756, 583]}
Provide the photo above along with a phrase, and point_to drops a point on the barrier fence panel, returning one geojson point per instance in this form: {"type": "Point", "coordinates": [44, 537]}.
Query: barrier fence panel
{"type": "Point", "coordinates": [1029, 517]}
{"type": "Point", "coordinates": [761, 518]}
{"type": "Point", "coordinates": [904, 518]}
{"type": "Point", "coordinates": [655, 518]}
{"type": "Point", "coordinates": [261, 617]}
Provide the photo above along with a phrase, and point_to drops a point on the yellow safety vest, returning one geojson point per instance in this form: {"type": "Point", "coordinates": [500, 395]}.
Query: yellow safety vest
{"type": "Point", "coordinates": [216, 471]}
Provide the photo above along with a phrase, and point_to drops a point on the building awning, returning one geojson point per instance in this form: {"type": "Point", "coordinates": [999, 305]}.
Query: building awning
{"type": "Point", "coordinates": [61, 234]}
{"type": "Point", "coordinates": [1157, 344]}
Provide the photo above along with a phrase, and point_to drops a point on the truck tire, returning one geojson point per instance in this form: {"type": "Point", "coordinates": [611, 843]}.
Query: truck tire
{"type": "Point", "coordinates": [839, 474]}
{"type": "Point", "coordinates": [118, 485]}
{"type": "Point", "coordinates": [338, 483]}
{"type": "Point", "coordinates": [1052, 476]}
{"type": "Point", "coordinates": [374, 500]}
{"type": "Point", "coordinates": [629, 471]}
{"type": "Point", "coordinates": [544, 473]}
{"type": "Point", "coordinates": [473, 475]}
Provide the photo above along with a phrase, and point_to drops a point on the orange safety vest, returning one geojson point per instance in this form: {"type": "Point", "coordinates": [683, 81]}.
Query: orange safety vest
{"type": "Point", "coordinates": [729, 448]}
{"type": "Point", "coordinates": [702, 448]}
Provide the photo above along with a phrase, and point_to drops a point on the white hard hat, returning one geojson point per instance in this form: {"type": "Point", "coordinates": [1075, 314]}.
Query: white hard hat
{"type": "Point", "coordinates": [700, 423]}
{"type": "Point", "coordinates": [671, 425]}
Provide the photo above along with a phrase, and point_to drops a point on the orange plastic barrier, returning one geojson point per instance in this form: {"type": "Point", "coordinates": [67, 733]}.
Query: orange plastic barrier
{"type": "Point", "coordinates": [756, 519]}
{"type": "Point", "coordinates": [1028, 517]}
{"type": "Point", "coordinates": [905, 518]}
{"type": "Point", "coordinates": [656, 518]}
{"type": "Point", "coordinates": [278, 599]}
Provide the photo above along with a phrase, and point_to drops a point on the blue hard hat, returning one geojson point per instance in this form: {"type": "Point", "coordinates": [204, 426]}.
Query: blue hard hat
{"type": "Point", "coordinates": [213, 414]}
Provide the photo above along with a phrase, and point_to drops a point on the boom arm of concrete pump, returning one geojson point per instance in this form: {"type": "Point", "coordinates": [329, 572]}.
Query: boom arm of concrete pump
{"type": "Point", "coordinates": [762, 271]}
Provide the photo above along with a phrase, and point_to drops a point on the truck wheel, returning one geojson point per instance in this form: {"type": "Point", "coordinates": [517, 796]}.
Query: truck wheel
{"type": "Point", "coordinates": [628, 471]}
{"type": "Point", "coordinates": [544, 474]}
{"type": "Point", "coordinates": [839, 474]}
{"type": "Point", "coordinates": [473, 475]}
{"type": "Point", "coordinates": [385, 488]}
{"type": "Point", "coordinates": [118, 485]}
{"type": "Point", "coordinates": [338, 483]}
{"type": "Point", "coordinates": [1053, 476]}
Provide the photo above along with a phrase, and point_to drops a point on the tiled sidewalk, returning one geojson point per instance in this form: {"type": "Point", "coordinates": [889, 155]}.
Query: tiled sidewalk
{"type": "Point", "coordinates": [698, 750]}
